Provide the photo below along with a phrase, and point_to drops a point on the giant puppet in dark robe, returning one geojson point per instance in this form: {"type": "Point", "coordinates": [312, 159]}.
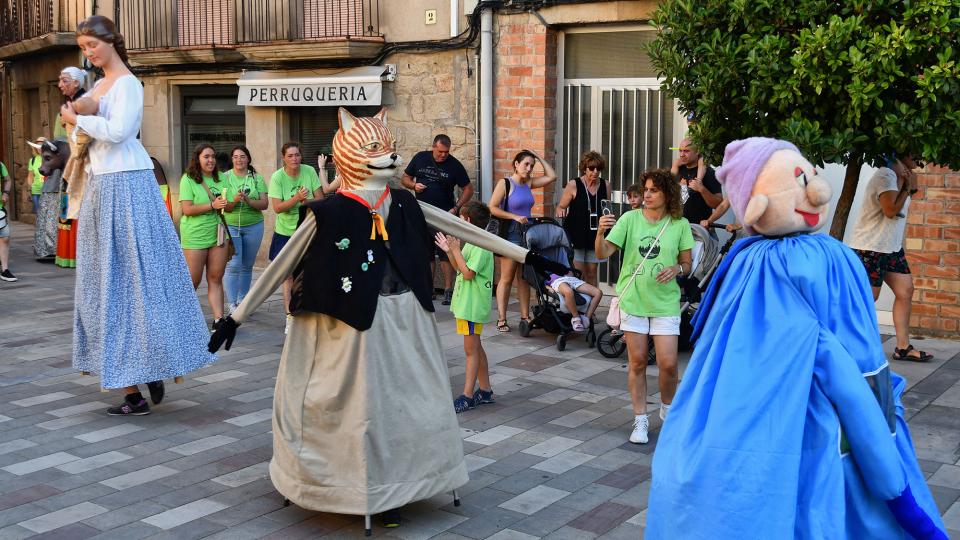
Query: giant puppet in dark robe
{"type": "Point", "coordinates": [788, 422]}
{"type": "Point", "coordinates": [362, 421]}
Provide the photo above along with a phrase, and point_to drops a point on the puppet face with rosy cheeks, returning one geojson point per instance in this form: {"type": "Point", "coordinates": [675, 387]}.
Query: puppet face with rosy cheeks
{"type": "Point", "coordinates": [788, 197]}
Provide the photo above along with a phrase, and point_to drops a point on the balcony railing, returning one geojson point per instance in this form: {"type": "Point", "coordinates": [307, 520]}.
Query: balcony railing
{"type": "Point", "coordinates": [166, 24]}
{"type": "Point", "coordinates": [25, 19]}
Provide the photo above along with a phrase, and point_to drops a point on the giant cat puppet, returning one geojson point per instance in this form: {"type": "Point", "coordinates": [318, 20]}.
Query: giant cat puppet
{"type": "Point", "coordinates": [788, 422]}
{"type": "Point", "coordinates": [362, 421]}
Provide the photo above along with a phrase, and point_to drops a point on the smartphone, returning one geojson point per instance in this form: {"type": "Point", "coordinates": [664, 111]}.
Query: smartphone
{"type": "Point", "coordinates": [594, 221]}
{"type": "Point", "coordinates": [606, 208]}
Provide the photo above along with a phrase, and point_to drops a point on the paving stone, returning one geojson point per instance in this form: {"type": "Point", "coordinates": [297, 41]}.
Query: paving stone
{"type": "Point", "coordinates": [26, 495]}
{"type": "Point", "coordinates": [74, 531]}
{"type": "Point", "coordinates": [563, 462]}
{"type": "Point", "coordinates": [590, 496]}
{"type": "Point", "coordinates": [220, 377]}
{"type": "Point", "coordinates": [534, 500]}
{"type": "Point", "coordinates": [41, 399]}
{"type": "Point", "coordinates": [494, 435]}
{"type": "Point", "coordinates": [244, 476]}
{"type": "Point", "coordinates": [255, 395]}
{"type": "Point", "coordinates": [93, 462]}
{"type": "Point", "coordinates": [109, 433]}
{"type": "Point", "coordinates": [202, 445]}
{"type": "Point", "coordinates": [79, 409]}
{"type": "Point", "coordinates": [60, 518]}
{"type": "Point", "coordinates": [251, 418]}
{"type": "Point", "coordinates": [15, 446]}
{"type": "Point", "coordinates": [510, 534]}
{"type": "Point", "coordinates": [69, 421]}
{"type": "Point", "coordinates": [139, 477]}
{"type": "Point", "coordinates": [40, 463]}
{"type": "Point", "coordinates": [552, 446]}
{"type": "Point", "coordinates": [184, 514]}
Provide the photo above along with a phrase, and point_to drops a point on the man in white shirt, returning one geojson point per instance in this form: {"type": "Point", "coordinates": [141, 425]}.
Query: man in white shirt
{"type": "Point", "coordinates": [878, 241]}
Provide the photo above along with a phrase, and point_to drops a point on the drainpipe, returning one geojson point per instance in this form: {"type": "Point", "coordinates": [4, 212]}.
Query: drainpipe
{"type": "Point", "coordinates": [454, 18]}
{"type": "Point", "coordinates": [486, 104]}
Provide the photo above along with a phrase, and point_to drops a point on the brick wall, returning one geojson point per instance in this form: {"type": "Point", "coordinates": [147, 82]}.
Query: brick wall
{"type": "Point", "coordinates": [932, 245]}
{"type": "Point", "coordinates": [525, 91]}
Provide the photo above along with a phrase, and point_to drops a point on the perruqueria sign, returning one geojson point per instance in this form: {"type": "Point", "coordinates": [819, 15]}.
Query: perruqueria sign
{"type": "Point", "coordinates": [358, 86]}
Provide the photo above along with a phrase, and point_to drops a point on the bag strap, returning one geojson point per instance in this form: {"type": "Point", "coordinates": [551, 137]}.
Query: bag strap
{"type": "Point", "coordinates": [219, 214]}
{"type": "Point", "coordinates": [636, 271]}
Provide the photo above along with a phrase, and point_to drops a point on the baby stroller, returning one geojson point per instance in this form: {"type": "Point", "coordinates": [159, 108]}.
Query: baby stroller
{"type": "Point", "coordinates": [546, 237]}
{"type": "Point", "coordinates": [707, 254]}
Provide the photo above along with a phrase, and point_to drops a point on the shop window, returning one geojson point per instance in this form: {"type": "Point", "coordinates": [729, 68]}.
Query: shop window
{"type": "Point", "coordinates": [211, 115]}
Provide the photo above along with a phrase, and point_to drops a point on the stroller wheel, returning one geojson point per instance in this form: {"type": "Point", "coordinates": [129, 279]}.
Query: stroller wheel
{"type": "Point", "coordinates": [591, 337]}
{"type": "Point", "coordinates": [561, 342]}
{"type": "Point", "coordinates": [611, 345]}
{"type": "Point", "coordinates": [525, 328]}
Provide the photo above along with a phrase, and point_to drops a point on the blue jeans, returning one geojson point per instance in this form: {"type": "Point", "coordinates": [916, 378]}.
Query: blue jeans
{"type": "Point", "coordinates": [36, 203]}
{"type": "Point", "coordinates": [239, 272]}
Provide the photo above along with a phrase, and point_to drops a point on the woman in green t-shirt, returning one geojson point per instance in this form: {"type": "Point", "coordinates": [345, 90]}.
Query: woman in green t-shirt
{"type": "Point", "coordinates": [656, 243]}
{"type": "Point", "coordinates": [245, 222]}
{"type": "Point", "coordinates": [290, 187]}
{"type": "Point", "coordinates": [198, 226]}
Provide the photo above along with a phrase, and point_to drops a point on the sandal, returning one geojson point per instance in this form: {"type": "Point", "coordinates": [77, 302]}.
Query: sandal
{"type": "Point", "coordinates": [502, 325]}
{"type": "Point", "coordinates": [904, 354]}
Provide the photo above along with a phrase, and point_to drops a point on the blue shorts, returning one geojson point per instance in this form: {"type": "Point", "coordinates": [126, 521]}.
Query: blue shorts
{"type": "Point", "coordinates": [276, 244]}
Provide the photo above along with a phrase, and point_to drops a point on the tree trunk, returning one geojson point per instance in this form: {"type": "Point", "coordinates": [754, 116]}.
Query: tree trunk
{"type": "Point", "coordinates": [850, 181]}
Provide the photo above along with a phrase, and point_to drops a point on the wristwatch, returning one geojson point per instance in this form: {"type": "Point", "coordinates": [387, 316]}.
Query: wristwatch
{"type": "Point", "coordinates": [680, 271]}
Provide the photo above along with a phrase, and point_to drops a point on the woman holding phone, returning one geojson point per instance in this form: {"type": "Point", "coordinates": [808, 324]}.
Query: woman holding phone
{"type": "Point", "coordinates": [580, 205]}
{"type": "Point", "coordinates": [245, 222]}
{"type": "Point", "coordinates": [656, 243]}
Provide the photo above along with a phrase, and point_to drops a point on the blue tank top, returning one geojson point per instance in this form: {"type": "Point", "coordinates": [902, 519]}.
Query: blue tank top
{"type": "Point", "coordinates": [520, 199]}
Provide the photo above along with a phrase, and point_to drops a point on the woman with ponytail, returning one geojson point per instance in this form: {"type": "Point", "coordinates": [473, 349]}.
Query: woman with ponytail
{"type": "Point", "coordinates": [136, 317]}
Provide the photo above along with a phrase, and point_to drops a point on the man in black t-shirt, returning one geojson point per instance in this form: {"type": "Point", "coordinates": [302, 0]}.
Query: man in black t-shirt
{"type": "Point", "coordinates": [700, 198]}
{"type": "Point", "coordinates": [432, 175]}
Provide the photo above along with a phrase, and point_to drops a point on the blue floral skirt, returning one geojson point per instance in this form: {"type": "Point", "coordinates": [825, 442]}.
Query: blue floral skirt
{"type": "Point", "coordinates": [136, 316]}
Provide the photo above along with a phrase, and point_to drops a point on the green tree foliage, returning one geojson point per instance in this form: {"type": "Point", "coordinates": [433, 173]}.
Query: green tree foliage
{"type": "Point", "coordinates": [846, 81]}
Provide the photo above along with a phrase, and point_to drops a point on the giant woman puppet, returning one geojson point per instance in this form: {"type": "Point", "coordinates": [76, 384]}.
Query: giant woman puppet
{"type": "Point", "coordinates": [362, 421]}
{"type": "Point", "coordinates": [788, 422]}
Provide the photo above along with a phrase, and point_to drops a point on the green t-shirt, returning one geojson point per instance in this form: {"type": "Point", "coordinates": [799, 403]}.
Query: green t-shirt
{"type": "Point", "coordinates": [283, 187]}
{"type": "Point", "coordinates": [472, 298]}
{"type": "Point", "coordinates": [3, 182]}
{"type": "Point", "coordinates": [33, 166]}
{"type": "Point", "coordinates": [199, 232]}
{"type": "Point", "coordinates": [242, 214]}
{"type": "Point", "coordinates": [634, 235]}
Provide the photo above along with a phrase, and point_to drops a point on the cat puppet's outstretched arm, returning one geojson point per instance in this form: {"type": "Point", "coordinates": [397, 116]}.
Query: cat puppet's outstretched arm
{"type": "Point", "coordinates": [454, 226]}
{"type": "Point", "coordinates": [272, 277]}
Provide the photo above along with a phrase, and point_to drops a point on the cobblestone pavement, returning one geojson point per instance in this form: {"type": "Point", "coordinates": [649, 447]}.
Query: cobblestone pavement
{"type": "Point", "coordinates": [549, 459]}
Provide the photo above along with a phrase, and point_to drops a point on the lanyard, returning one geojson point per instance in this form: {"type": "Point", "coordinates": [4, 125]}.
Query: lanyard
{"type": "Point", "coordinates": [377, 226]}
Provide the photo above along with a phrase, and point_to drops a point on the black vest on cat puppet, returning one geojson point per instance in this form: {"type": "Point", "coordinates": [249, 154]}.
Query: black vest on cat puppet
{"type": "Point", "coordinates": [319, 278]}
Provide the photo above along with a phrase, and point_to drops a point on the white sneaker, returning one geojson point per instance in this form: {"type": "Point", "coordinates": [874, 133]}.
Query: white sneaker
{"type": "Point", "coordinates": [640, 425]}
{"type": "Point", "coordinates": [286, 328]}
{"type": "Point", "coordinates": [664, 409]}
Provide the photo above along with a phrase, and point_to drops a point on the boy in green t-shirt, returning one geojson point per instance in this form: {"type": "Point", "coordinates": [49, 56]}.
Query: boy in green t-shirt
{"type": "Point", "coordinates": [471, 302]}
{"type": "Point", "coordinates": [5, 186]}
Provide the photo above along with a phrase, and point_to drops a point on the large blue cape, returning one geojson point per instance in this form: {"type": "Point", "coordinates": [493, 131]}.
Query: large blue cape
{"type": "Point", "coordinates": [788, 352]}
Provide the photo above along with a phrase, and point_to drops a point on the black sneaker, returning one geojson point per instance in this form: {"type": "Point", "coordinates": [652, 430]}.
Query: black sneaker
{"type": "Point", "coordinates": [447, 297]}
{"type": "Point", "coordinates": [130, 409]}
{"type": "Point", "coordinates": [391, 518]}
{"type": "Point", "coordinates": [462, 403]}
{"type": "Point", "coordinates": [483, 397]}
{"type": "Point", "coordinates": [157, 391]}
{"type": "Point", "coordinates": [7, 275]}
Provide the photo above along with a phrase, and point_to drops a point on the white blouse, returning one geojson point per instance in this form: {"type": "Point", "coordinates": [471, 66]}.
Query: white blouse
{"type": "Point", "coordinates": [114, 129]}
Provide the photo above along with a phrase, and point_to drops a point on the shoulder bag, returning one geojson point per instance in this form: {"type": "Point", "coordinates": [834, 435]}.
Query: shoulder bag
{"type": "Point", "coordinates": [223, 232]}
{"type": "Point", "coordinates": [613, 316]}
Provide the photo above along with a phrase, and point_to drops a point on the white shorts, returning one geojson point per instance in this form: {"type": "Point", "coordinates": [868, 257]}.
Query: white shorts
{"type": "Point", "coordinates": [586, 256]}
{"type": "Point", "coordinates": [574, 283]}
{"type": "Point", "coordinates": [652, 326]}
